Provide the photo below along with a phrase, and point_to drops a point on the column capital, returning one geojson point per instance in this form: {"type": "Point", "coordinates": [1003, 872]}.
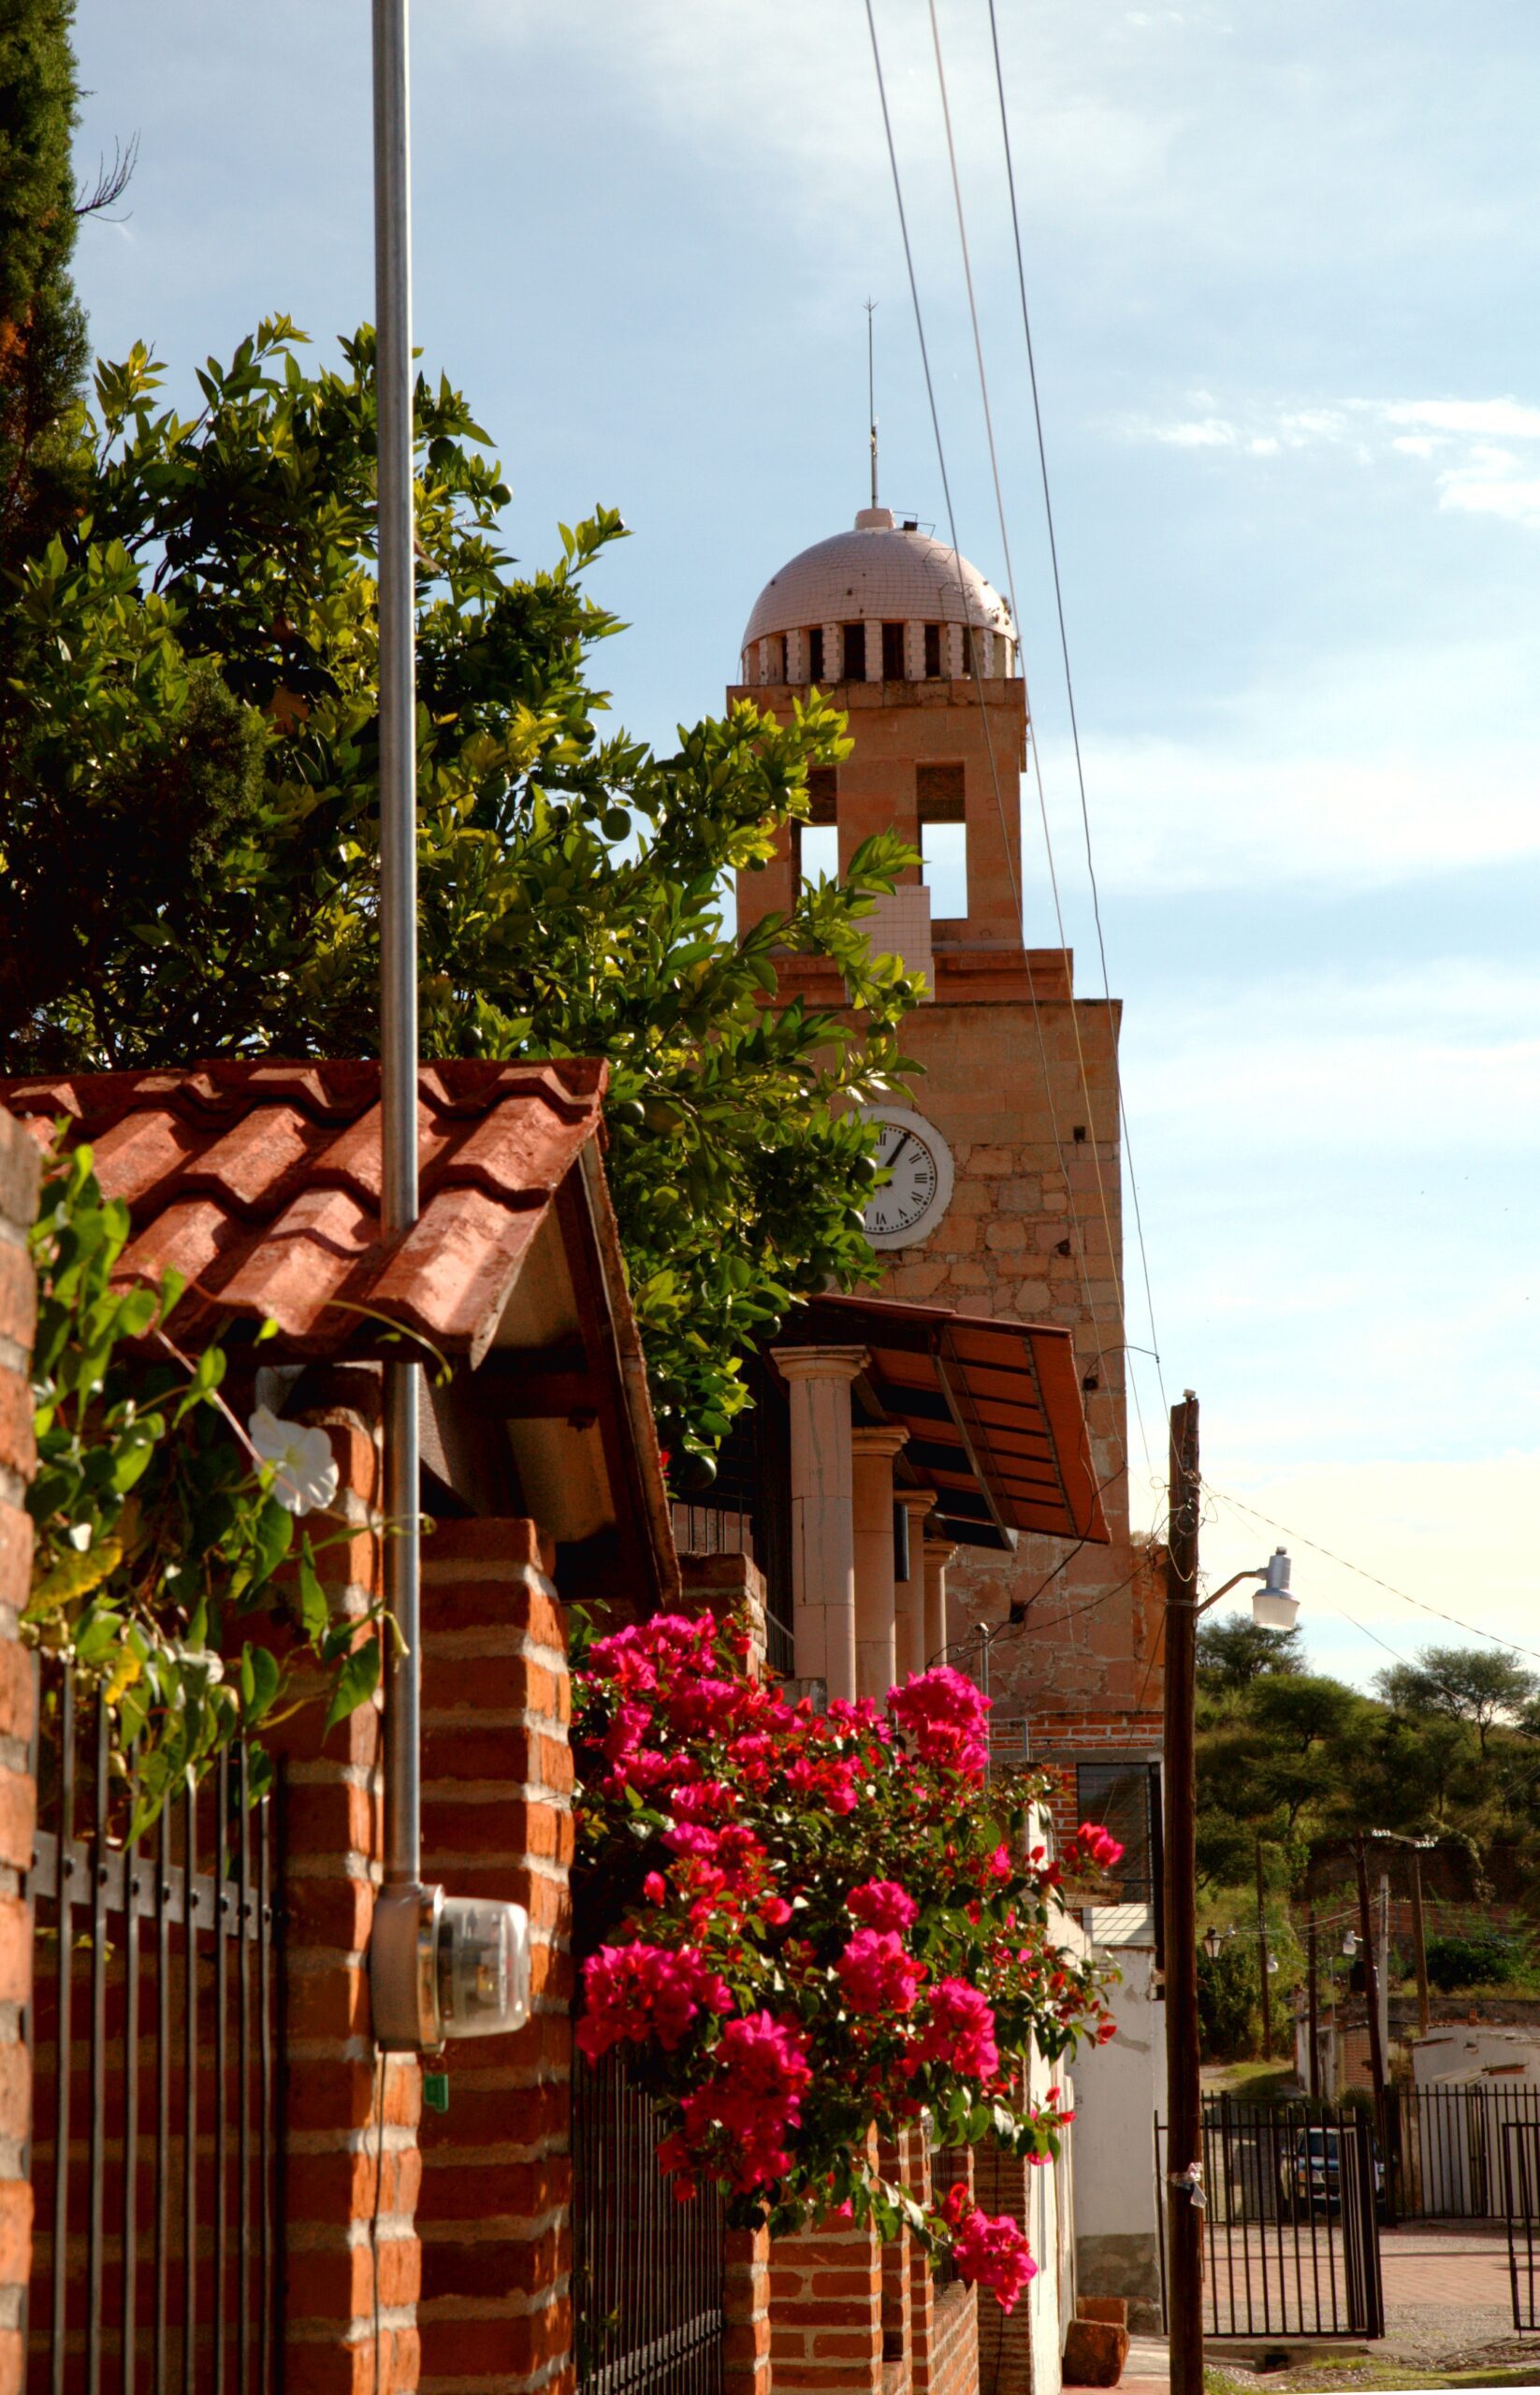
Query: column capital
{"type": "Point", "coordinates": [916, 1501]}
{"type": "Point", "coordinates": [821, 1363]}
{"type": "Point", "coordinates": [878, 1439]}
{"type": "Point", "coordinates": [939, 1551]}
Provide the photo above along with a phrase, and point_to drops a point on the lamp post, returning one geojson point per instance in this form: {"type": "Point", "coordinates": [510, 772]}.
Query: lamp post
{"type": "Point", "coordinates": [1272, 1608]}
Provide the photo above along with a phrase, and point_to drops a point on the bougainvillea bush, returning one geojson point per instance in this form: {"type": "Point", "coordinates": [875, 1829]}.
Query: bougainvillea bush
{"type": "Point", "coordinates": [805, 1926]}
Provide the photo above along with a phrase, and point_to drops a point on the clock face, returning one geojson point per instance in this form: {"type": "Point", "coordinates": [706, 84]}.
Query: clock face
{"type": "Point", "coordinates": [911, 1202]}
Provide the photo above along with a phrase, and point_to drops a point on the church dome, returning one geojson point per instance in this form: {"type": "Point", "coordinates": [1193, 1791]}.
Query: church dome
{"type": "Point", "coordinates": [882, 572]}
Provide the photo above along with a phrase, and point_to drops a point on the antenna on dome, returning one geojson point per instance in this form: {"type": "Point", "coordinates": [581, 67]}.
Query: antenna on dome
{"type": "Point", "coordinates": [871, 393]}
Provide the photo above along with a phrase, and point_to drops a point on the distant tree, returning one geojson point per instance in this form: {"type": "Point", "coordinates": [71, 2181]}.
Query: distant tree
{"type": "Point", "coordinates": [42, 329]}
{"type": "Point", "coordinates": [1228, 1999]}
{"type": "Point", "coordinates": [1235, 1652]}
{"type": "Point", "coordinates": [1480, 1685]}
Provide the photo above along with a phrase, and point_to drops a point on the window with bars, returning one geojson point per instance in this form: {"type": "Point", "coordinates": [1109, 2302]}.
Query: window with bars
{"type": "Point", "coordinates": [1123, 1795]}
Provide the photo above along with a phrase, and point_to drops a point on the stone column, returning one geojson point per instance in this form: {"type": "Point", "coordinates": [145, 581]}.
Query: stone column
{"type": "Point", "coordinates": [822, 1530]}
{"type": "Point", "coordinates": [908, 1596]}
{"type": "Point", "coordinates": [939, 1553]}
{"type": "Point", "coordinates": [874, 1451]}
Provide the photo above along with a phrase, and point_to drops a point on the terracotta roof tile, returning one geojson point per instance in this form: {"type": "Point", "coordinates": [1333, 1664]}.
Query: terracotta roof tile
{"type": "Point", "coordinates": [260, 1184]}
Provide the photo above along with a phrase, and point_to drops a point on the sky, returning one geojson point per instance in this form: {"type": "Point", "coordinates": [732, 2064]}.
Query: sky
{"type": "Point", "coordinates": [1281, 261]}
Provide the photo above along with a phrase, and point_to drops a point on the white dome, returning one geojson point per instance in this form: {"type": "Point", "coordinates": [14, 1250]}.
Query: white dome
{"type": "Point", "coordinates": [876, 573]}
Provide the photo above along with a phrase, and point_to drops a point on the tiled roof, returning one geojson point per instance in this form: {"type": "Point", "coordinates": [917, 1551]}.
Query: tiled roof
{"type": "Point", "coordinates": [260, 1183]}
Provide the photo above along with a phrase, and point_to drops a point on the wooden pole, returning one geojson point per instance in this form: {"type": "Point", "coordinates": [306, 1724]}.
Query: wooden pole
{"type": "Point", "coordinates": [1262, 1958]}
{"type": "Point", "coordinates": [1419, 1944]}
{"type": "Point", "coordinates": [1184, 2102]}
{"type": "Point", "coordinates": [1314, 2023]}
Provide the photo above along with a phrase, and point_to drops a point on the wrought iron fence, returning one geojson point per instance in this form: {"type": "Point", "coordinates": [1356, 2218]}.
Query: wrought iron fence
{"type": "Point", "coordinates": [155, 2035]}
{"type": "Point", "coordinates": [1445, 2149]}
{"type": "Point", "coordinates": [1290, 2225]}
{"type": "Point", "coordinates": [648, 2270]}
{"type": "Point", "coordinates": [1519, 2146]}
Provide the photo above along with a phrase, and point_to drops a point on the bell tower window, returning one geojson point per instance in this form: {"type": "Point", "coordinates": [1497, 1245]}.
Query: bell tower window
{"type": "Point", "coordinates": [855, 653]}
{"type": "Point", "coordinates": [940, 807]}
{"type": "Point", "coordinates": [893, 653]}
{"type": "Point", "coordinates": [933, 651]}
{"type": "Point", "coordinates": [815, 845]}
{"type": "Point", "coordinates": [815, 653]}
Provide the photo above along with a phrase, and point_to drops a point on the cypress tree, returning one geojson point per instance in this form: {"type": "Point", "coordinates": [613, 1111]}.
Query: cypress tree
{"type": "Point", "coordinates": [42, 329]}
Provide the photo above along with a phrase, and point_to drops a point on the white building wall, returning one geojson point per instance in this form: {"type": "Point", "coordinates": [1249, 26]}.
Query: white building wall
{"type": "Point", "coordinates": [1119, 2088]}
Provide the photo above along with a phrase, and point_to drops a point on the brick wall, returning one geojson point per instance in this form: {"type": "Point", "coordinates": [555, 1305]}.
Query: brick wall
{"type": "Point", "coordinates": [494, 2213]}
{"type": "Point", "coordinates": [826, 2310]}
{"type": "Point", "coordinates": [351, 2162]}
{"type": "Point", "coordinates": [18, 1173]}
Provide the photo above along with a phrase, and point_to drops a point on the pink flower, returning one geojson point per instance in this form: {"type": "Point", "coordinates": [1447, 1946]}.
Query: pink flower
{"type": "Point", "coordinates": [1099, 1844]}
{"type": "Point", "coordinates": [755, 2097]}
{"type": "Point", "coordinates": [999, 1866]}
{"type": "Point", "coordinates": [876, 1975]}
{"type": "Point", "coordinates": [689, 1837]}
{"type": "Point", "coordinates": [960, 2031]}
{"type": "Point", "coordinates": [655, 1887]}
{"type": "Point", "coordinates": [775, 1912]}
{"type": "Point", "coordinates": [944, 1714]}
{"type": "Point", "coordinates": [638, 1992]}
{"type": "Point", "coordinates": [991, 2251]}
{"type": "Point", "coordinates": [882, 1904]}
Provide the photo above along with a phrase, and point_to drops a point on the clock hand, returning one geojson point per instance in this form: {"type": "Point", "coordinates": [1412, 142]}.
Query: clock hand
{"type": "Point", "coordinates": [904, 1142]}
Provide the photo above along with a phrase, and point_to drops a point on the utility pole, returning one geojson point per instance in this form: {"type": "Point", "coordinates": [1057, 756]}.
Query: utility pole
{"type": "Point", "coordinates": [1183, 2191]}
{"type": "Point", "coordinates": [1382, 1958]}
{"type": "Point", "coordinates": [1263, 1956]}
{"type": "Point", "coordinates": [1313, 2019]}
{"type": "Point", "coordinates": [1371, 1988]}
{"type": "Point", "coordinates": [1419, 1944]}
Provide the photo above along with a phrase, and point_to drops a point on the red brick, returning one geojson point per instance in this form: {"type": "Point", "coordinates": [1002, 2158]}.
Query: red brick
{"type": "Point", "coordinates": [15, 2233]}
{"type": "Point", "coordinates": [21, 1170]}
{"type": "Point", "coordinates": [15, 1951]}
{"type": "Point", "coordinates": [18, 1294]}
{"type": "Point", "coordinates": [15, 2091]}
{"type": "Point", "coordinates": [488, 2266]}
{"type": "Point", "coordinates": [512, 2191]}
{"type": "Point", "coordinates": [13, 2362]}
{"type": "Point", "coordinates": [14, 1555]}
{"type": "Point", "coordinates": [507, 1539]}
{"type": "Point", "coordinates": [17, 1445]}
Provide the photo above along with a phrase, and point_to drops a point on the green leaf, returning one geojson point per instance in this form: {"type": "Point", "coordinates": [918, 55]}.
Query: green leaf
{"type": "Point", "coordinates": [356, 1682]}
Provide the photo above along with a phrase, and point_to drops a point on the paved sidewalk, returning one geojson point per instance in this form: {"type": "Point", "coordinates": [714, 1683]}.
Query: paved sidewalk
{"type": "Point", "coordinates": [1147, 2370]}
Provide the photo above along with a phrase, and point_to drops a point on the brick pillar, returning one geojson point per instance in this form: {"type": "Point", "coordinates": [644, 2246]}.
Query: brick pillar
{"type": "Point", "coordinates": [1002, 2183]}
{"type": "Point", "coordinates": [897, 2274]}
{"type": "Point", "coordinates": [745, 2303]}
{"type": "Point", "coordinates": [19, 1176]}
{"type": "Point", "coordinates": [351, 2113]}
{"type": "Point", "coordinates": [495, 2214]}
{"type": "Point", "coordinates": [826, 2310]}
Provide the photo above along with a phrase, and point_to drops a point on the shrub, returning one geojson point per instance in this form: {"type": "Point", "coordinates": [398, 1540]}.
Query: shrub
{"type": "Point", "coordinates": [1481, 1960]}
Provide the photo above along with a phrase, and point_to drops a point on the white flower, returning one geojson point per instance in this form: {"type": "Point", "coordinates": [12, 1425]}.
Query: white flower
{"type": "Point", "coordinates": [306, 1474]}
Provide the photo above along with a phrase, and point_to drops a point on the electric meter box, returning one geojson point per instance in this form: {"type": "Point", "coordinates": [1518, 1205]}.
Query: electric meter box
{"type": "Point", "coordinates": [446, 1966]}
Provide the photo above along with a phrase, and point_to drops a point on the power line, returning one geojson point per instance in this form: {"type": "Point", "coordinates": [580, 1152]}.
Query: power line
{"type": "Point", "coordinates": [1036, 754]}
{"type": "Point", "coordinates": [989, 743]}
{"type": "Point", "coordinates": [1512, 1644]}
{"type": "Point", "coordinates": [1070, 679]}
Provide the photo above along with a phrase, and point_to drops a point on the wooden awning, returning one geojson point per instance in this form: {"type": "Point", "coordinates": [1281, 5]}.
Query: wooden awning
{"type": "Point", "coordinates": [993, 1409]}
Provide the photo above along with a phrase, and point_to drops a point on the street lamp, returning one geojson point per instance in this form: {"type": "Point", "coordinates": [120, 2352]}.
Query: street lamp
{"type": "Point", "coordinates": [1273, 1607]}
{"type": "Point", "coordinates": [1211, 1943]}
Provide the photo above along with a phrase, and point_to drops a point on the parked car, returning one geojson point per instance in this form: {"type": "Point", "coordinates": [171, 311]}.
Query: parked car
{"type": "Point", "coordinates": [1310, 2169]}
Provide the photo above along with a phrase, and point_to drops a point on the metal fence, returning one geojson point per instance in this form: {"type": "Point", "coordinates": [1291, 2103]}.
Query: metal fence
{"type": "Point", "coordinates": [1519, 2145]}
{"type": "Point", "coordinates": [1445, 2149]}
{"type": "Point", "coordinates": [153, 2034]}
{"type": "Point", "coordinates": [648, 2269]}
{"type": "Point", "coordinates": [1290, 2226]}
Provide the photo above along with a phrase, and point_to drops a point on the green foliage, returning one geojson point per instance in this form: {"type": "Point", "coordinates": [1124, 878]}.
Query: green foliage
{"type": "Point", "coordinates": [1228, 2000]}
{"type": "Point", "coordinates": [1234, 1650]}
{"type": "Point", "coordinates": [42, 331]}
{"type": "Point", "coordinates": [196, 684]}
{"type": "Point", "coordinates": [158, 1532]}
{"type": "Point", "coordinates": [1455, 1962]}
{"type": "Point", "coordinates": [1480, 1685]}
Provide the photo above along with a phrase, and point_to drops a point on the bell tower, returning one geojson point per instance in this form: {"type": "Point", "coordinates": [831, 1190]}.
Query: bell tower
{"type": "Point", "coordinates": [1003, 1200]}
{"type": "Point", "coordinates": [910, 641]}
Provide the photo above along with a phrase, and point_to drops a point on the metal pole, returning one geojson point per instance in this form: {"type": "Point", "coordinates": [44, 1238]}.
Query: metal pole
{"type": "Point", "coordinates": [1314, 2006]}
{"type": "Point", "coordinates": [1184, 2136]}
{"type": "Point", "coordinates": [398, 903]}
{"type": "Point", "coordinates": [1384, 1960]}
{"type": "Point", "coordinates": [1371, 1988]}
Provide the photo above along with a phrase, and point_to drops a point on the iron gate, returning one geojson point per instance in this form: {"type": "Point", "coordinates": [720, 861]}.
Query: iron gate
{"type": "Point", "coordinates": [1520, 2149]}
{"type": "Point", "coordinates": [154, 2035]}
{"type": "Point", "coordinates": [648, 2270]}
{"type": "Point", "coordinates": [1445, 2149]}
{"type": "Point", "coordinates": [1290, 2227]}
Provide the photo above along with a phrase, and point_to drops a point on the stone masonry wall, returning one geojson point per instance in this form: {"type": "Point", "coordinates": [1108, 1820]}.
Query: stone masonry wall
{"type": "Point", "coordinates": [19, 1175]}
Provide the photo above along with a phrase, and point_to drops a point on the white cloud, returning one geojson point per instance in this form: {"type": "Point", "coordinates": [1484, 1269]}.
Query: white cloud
{"type": "Point", "coordinates": [1503, 419]}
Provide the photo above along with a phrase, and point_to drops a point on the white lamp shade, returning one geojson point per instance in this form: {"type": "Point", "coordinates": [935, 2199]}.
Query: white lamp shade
{"type": "Point", "coordinates": [1271, 1610]}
